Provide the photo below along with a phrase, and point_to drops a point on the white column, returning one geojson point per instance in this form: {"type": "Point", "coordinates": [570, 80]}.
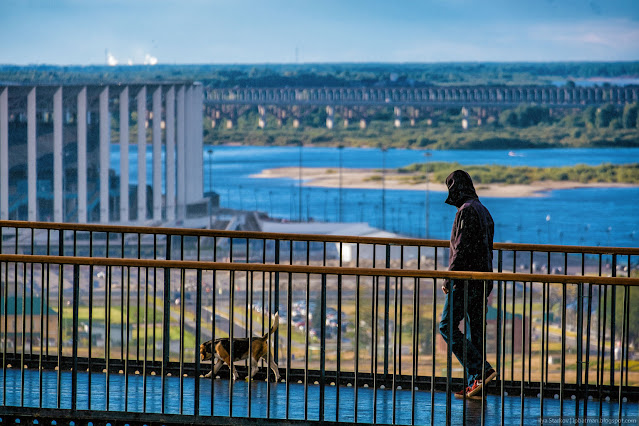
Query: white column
{"type": "Point", "coordinates": [181, 152]}
{"type": "Point", "coordinates": [105, 139]}
{"type": "Point", "coordinates": [32, 178]}
{"type": "Point", "coordinates": [142, 154]}
{"type": "Point", "coordinates": [188, 149]}
{"type": "Point", "coordinates": [4, 154]}
{"type": "Point", "coordinates": [58, 190]}
{"type": "Point", "coordinates": [157, 154]}
{"type": "Point", "coordinates": [194, 155]}
{"type": "Point", "coordinates": [124, 155]}
{"type": "Point", "coordinates": [82, 155]}
{"type": "Point", "coordinates": [170, 154]}
{"type": "Point", "coordinates": [198, 136]}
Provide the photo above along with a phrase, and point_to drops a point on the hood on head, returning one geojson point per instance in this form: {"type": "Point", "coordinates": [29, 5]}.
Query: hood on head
{"type": "Point", "coordinates": [460, 188]}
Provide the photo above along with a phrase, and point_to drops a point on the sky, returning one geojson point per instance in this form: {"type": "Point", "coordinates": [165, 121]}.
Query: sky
{"type": "Point", "coordinates": [97, 32]}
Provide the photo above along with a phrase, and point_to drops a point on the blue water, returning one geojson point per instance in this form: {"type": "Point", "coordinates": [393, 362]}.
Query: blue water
{"type": "Point", "coordinates": [297, 402]}
{"type": "Point", "coordinates": [576, 216]}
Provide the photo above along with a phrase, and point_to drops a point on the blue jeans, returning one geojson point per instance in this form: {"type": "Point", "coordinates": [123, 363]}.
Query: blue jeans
{"type": "Point", "coordinates": [474, 320]}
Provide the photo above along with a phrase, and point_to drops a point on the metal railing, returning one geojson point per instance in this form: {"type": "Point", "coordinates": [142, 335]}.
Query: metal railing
{"type": "Point", "coordinates": [117, 314]}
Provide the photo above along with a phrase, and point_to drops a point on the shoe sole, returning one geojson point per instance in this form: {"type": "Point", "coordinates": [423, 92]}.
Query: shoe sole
{"type": "Point", "coordinates": [477, 390]}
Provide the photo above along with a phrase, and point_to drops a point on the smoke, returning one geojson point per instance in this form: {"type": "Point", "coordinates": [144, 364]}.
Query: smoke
{"type": "Point", "coordinates": [150, 60]}
{"type": "Point", "coordinates": [111, 61]}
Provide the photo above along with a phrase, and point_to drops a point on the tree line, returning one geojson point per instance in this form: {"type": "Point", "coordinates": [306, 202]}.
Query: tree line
{"type": "Point", "coordinates": [328, 74]}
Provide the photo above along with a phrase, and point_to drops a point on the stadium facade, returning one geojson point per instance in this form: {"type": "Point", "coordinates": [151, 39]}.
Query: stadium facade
{"type": "Point", "coordinates": [59, 158]}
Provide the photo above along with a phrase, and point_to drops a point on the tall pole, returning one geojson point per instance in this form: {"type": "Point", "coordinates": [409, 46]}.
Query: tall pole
{"type": "Point", "coordinates": [210, 152]}
{"type": "Point", "coordinates": [340, 148]}
{"type": "Point", "coordinates": [383, 187]}
{"type": "Point", "coordinates": [427, 155]}
{"type": "Point", "coordinates": [300, 184]}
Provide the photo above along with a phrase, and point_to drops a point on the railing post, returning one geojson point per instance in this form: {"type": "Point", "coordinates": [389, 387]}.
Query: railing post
{"type": "Point", "coordinates": [613, 303]}
{"type": "Point", "coordinates": [4, 293]}
{"type": "Point", "coordinates": [580, 309]}
{"type": "Point", "coordinates": [499, 296]}
{"type": "Point", "coordinates": [198, 331]}
{"type": "Point", "coordinates": [276, 295]}
{"type": "Point", "coordinates": [166, 322]}
{"type": "Point", "coordinates": [588, 327]}
{"type": "Point", "coordinates": [322, 349]}
{"type": "Point", "coordinates": [386, 313]}
{"type": "Point", "coordinates": [60, 320]}
{"type": "Point", "coordinates": [563, 350]}
{"type": "Point", "coordinates": [449, 359]}
{"type": "Point", "coordinates": [624, 343]}
{"type": "Point", "coordinates": [433, 344]}
{"type": "Point", "coordinates": [76, 303]}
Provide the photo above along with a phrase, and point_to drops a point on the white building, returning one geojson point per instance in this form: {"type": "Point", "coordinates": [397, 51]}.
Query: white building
{"type": "Point", "coordinates": [57, 141]}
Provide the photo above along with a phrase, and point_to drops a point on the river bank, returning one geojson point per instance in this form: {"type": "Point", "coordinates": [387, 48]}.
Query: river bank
{"type": "Point", "coordinates": [324, 177]}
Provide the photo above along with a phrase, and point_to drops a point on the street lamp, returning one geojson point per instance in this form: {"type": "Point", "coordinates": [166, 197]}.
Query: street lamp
{"type": "Point", "coordinates": [210, 152]}
{"type": "Point", "coordinates": [300, 182]}
{"type": "Point", "coordinates": [325, 205]}
{"type": "Point", "coordinates": [427, 154]}
{"type": "Point", "coordinates": [270, 199]}
{"type": "Point", "coordinates": [340, 148]}
{"type": "Point", "coordinates": [383, 149]}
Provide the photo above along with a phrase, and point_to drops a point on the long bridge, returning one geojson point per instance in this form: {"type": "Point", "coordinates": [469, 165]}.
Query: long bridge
{"type": "Point", "coordinates": [406, 102]}
{"type": "Point", "coordinates": [101, 324]}
{"type": "Point", "coordinates": [454, 96]}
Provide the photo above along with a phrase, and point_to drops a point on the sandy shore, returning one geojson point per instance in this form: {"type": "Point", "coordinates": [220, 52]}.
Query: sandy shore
{"type": "Point", "coordinates": [371, 179]}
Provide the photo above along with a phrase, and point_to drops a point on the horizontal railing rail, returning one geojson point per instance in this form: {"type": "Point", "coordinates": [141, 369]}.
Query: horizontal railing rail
{"type": "Point", "coordinates": [214, 233]}
{"type": "Point", "coordinates": [354, 343]}
{"type": "Point", "coordinates": [326, 270]}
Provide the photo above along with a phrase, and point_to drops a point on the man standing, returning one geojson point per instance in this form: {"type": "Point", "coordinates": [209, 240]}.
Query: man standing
{"type": "Point", "coordinates": [471, 249]}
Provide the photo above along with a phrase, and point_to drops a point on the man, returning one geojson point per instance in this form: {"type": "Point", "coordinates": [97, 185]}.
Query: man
{"type": "Point", "coordinates": [471, 249]}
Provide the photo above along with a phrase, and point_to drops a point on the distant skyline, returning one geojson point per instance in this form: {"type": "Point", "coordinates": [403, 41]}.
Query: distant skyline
{"type": "Point", "coordinates": [97, 32]}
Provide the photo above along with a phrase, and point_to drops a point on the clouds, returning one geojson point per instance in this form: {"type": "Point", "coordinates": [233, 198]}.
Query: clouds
{"type": "Point", "coordinates": [615, 39]}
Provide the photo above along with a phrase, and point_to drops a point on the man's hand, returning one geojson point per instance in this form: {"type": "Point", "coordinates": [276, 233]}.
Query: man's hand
{"type": "Point", "coordinates": [446, 286]}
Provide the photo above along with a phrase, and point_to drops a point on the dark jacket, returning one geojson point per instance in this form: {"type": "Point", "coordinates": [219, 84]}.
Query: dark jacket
{"type": "Point", "coordinates": [471, 239]}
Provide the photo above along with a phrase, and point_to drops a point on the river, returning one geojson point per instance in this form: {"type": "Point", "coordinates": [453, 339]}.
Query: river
{"type": "Point", "coordinates": [586, 216]}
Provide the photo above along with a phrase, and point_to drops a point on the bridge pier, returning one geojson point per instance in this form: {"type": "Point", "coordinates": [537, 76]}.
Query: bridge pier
{"type": "Point", "coordinates": [464, 122]}
{"type": "Point", "coordinates": [261, 121]}
{"type": "Point", "coordinates": [414, 115]}
{"type": "Point", "coordinates": [215, 116]}
{"type": "Point", "coordinates": [398, 117]}
{"type": "Point", "coordinates": [280, 116]}
{"type": "Point", "coordinates": [330, 112]}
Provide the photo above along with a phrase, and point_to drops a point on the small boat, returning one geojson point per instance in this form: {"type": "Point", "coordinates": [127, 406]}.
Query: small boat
{"type": "Point", "coordinates": [514, 154]}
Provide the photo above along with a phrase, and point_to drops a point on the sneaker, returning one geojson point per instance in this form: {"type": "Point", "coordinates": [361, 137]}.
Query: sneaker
{"type": "Point", "coordinates": [460, 394]}
{"type": "Point", "coordinates": [478, 384]}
